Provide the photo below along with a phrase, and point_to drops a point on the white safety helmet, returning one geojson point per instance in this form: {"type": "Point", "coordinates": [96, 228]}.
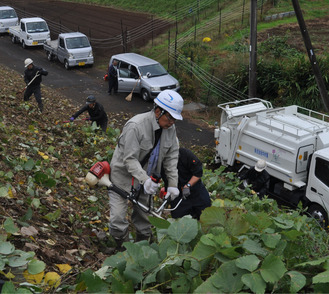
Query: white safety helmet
{"type": "Point", "coordinates": [171, 102]}
{"type": "Point", "coordinates": [28, 61]}
{"type": "Point", "coordinates": [260, 165]}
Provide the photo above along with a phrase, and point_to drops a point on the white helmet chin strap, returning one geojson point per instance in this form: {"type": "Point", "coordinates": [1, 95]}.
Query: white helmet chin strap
{"type": "Point", "coordinates": [161, 113]}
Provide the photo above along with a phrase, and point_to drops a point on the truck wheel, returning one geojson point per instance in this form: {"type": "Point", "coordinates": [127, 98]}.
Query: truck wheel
{"type": "Point", "coordinates": [23, 45]}
{"type": "Point", "coordinates": [317, 212]}
{"type": "Point", "coordinates": [66, 64]}
{"type": "Point", "coordinates": [49, 56]}
{"type": "Point", "coordinates": [13, 39]}
{"type": "Point", "coordinates": [145, 95]}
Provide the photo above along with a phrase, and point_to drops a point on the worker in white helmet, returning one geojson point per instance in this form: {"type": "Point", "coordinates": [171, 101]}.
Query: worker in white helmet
{"type": "Point", "coordinates": [258, 178]}
{"type": "Point", "coordinates": [32, 78]}
{"type": "Point", "coordinates": [147, 141]}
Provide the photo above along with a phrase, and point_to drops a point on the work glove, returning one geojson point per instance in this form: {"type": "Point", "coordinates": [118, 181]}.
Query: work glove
{"type": "Point", "coordinates": [150, 187]}
{"type": "Point", "coordinates": [174, 192]}
{"type": "Point", "coordinates": [72, 118]}
{"type": "Point", "coordinates": [186, 192]}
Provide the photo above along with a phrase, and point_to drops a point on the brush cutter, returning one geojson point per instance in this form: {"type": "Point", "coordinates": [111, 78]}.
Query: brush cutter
{"type": "Point", "coordinates": [30, 82]}
{"type": "Point", "coordinates": [99, 175]}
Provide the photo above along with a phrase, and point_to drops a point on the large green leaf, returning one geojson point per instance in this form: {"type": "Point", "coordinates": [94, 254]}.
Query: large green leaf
{"type": "Point", "coordinates": [159, 223]}
{"type": "Point", "coordinates": [228, 277]}
{"type": "Point", "coordinates": [254, 247]}
{"type": "Point", "coordinates": [116, 261]}
{"type": "Point", "coordinates": [272, 269]}
{"type": "Point", "coordinates": [29, 165]}
{"type": "Point", "coordinates": [213, 216]}
{"type": "Point", "coordinates": [181, 285]}
{"type": "Point", "coordinates": [119, 285]}
{"type": "Point", "coordinates": [202, 254]}
{"type": "Point", "coordinates": [6, 248]}
{"type": "Point", "coordinates": [283, 223]}
{"type": "Point", "coordinates": [17, 261]}
{"type": "Point", "coordinates": [292, 234]}
{"type": "Point", "coordinates": [167, 247]}
{"type": "Point", "coordinates": [315, 262]}
{"type": "Point", "coordinates": [183, 230]}
{"type": "Point", "coordinates": [236, 224]}
{"type": "Point", "coordinates": [248, 262]}
{"type": "Point", "coordinates": [260, 220]}
{"type": "Point", "coordinates": [149, 258]}
{"type": "Point", "coordinates": [94, 283]}
{"type": "Point", "coordinates": [36, 267]}
{"type": "Point", "coordinates": [10, 226]}
{"type": "Point", "coordinates": [208, 286]}
{"type": "Point", "coordinates": [254, 282]}
{"type": "Point", "coordinates": [321, 278]}
{"type": "Point", "coordinates": [298, 281]}
{"type": "Point", "coordinates": [271, 240]}
{"type": "Point", "coordinates": [133, 272]}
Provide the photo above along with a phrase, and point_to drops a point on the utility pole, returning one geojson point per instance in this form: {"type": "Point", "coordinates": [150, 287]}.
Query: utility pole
{"type": "Point", "coordinates": [311, 55]}
{"type": "Point", "coordinates": [253, 50]}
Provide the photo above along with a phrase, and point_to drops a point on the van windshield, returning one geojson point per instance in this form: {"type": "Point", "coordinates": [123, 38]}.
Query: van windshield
{"type": "Point", "coordinates": [77, 42]}
{"type": "Point", "coordinates": [36, 27]}
{"type": "Point", "coordinates": [8, 14]}
{"type": "Point", "coordinates": [153, 70]}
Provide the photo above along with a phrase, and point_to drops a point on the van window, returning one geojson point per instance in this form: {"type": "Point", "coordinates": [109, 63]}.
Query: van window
{"type": "Point", "coordinates": [153, 70]}
{"type": "Point", "coordinates": [23, 26]}
{"type": "Point", "coordinates": [4, 14]}
{"type": "Point", "coordinates": [322, 170]}
{"type": "Point", "coordinates": [127, 70]}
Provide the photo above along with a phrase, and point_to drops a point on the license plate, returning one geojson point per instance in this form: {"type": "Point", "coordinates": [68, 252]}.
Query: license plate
{"type": "Point", "coordinates": [82, 63]}
{"type": "Point", "coordinates": [35, 43]}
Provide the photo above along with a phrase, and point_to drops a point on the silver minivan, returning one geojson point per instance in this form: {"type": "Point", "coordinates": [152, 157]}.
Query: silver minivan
{"type": "Point", "coordinates": [148, 76]}
{"type": "Point", "coordinates": [8, 18]}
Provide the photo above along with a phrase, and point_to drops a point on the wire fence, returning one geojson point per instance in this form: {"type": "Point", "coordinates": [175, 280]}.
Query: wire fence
{"type": "Point", "coordinates": [216, 88]}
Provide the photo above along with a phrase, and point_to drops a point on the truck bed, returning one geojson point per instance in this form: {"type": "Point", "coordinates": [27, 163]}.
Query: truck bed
{"type": "Point", "coordinates": [14, 30]}
{"type": "Point", "coordinates": [51, 45]}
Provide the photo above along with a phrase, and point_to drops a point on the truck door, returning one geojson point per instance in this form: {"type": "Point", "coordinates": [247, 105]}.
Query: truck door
{"type": "Point", "coordinates": [127, 77]}
{"type": "Point", "coordinates": [318, 182]}
{"type": "Point", "coordinates": [23, 32]}
{"type": "Point", "coordinates": [302, 158]}
{"type": "Point", "coordinates": [61, 51]}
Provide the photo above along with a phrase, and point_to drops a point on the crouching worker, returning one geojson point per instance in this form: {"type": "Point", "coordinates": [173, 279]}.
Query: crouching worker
{"type": "Point", "coordinates": [147, 142]}
{"type": "Point", "coordinates": [96, 113]}
{"type": "Point", "coordinates": [195, 195]}
{"type": "Point", "coordinates": [258, 178]}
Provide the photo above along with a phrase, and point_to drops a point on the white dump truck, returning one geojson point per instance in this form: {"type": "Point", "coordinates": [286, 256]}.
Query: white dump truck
{"type": "Point", "coordinates": [293, 140]}
{"type": "Point", "coordinates": [8, 18]}
{"type": "Point", "coordinates": [71, 49]}
{"type": "Point", "coordinates": [31, 31]}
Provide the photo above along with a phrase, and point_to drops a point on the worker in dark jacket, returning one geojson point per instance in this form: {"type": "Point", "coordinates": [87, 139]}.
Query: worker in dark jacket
{"type": "Point", "coordinates": [32, 78]}
{"type": "Point", "coordinates": [113, 77]}
{"type": "Point", "coordinates": [96, 112]}
{"type": "Point", "coordinates": [194, 193]}
{"type": "Point", "coordinates": [258, 178]}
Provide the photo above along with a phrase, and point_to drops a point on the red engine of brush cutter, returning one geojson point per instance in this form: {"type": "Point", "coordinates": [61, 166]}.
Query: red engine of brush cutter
{"type": "Point", "coordinates": [99, 169]}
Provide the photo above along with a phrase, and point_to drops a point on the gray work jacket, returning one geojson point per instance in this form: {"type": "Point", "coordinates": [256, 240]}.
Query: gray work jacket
{"type": "Point", "coordinates": [135, 142]}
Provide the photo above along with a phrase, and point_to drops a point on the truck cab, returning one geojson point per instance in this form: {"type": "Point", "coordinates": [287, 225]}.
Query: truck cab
{"type": "Point", "coordinates": [8, 18]}
{"type": "Point", "coordinates": [32, 31]}
{"type": "Point", "coordinates": [317, 190]}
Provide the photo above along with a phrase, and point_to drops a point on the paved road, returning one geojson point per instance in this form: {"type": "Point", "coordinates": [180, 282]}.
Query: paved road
{"type": "Point", "coordinates": [78, 83]}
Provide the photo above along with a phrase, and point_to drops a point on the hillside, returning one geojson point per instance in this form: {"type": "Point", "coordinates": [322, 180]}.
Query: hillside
{"type": "Point", "coordinates": [42, 169]}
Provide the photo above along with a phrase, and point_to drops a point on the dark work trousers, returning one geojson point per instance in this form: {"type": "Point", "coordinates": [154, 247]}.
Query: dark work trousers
{"type": "Point", "coordinates": [193, 204]}
{"type": "Point", "coordinates": [37, 94]}
{"type": "Point", "coordinates": [113, 84]}
{"type": "Point", "coordinates": [102, 124]}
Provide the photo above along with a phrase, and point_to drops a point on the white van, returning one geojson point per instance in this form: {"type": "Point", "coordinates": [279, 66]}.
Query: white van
{"type": "Point", "coordinates": [8, 18]}
{"type": "Point", "coordinates": [148, 75]}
